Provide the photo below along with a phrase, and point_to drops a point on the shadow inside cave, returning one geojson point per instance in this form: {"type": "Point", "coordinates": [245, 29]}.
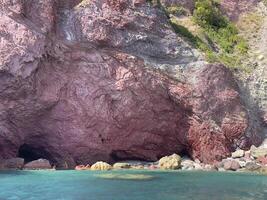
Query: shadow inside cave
{"type": "Point", "coordinates": [30, 153]}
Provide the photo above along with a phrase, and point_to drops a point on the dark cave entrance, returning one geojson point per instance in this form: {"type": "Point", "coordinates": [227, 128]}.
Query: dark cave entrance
{"type": "Point", "coordinates": [30, 153]}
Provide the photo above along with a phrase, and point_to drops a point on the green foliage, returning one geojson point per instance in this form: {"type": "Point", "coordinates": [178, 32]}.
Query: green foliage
{"type": "Point", "coordinates": [219, 28]}
{"type": "Point", "coordinates": [207, 14]}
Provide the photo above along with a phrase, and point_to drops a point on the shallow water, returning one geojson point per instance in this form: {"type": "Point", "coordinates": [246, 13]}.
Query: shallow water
{"type": "Point", "coordinates": [89, 185]}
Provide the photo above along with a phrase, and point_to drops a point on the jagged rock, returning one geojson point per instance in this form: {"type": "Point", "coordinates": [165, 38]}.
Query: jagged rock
{"type": "Point", "coordinates": [101, 166]}
{"type": "Point", "coordinates": [238, 153]}
{"type": "Point", "coordinates": [170, 162]}
{"type": "Point", "coordinates": [231, 165]}
{"type": "Point", "coordinates": [12, 163]}
{"type": "Point", "coordinates": [38, 164]}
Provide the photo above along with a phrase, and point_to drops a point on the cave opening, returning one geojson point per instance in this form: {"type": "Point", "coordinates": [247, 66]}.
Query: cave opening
{"type": "Point", "coordinates": [30, 153]}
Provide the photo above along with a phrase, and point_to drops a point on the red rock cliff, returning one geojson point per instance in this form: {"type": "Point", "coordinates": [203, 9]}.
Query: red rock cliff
{"type": "Point", "coordinates": [109, 80]}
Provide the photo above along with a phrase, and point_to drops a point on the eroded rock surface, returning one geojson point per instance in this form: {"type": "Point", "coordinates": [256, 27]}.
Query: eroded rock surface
{"type": "Point", "coordinates": [110, 81]}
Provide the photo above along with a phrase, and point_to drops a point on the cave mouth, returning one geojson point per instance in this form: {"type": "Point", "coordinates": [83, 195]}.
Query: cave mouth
{"type": "Point", "coordinates": [30, 153]}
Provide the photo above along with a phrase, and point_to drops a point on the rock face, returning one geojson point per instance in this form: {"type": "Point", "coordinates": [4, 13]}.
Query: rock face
{"type": "Point", "coordinates": [12, 163]}
{"type": "Point", "coordinates": [109, 80]}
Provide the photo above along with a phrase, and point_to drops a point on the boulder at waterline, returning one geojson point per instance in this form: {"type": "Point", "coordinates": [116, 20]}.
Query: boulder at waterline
{"type": "Point", "coordinates": [101, 166]}
{"type": "Point", "coordinates": [231, 165]}
{"type": "Point", "coordinates": [121, 165]}
{"type": "Point", "coordinates": [170, 162]}
{"type": "Point", "coordinates": [38, 165]}
{"type": "Point", "coordinates": [82, 167]}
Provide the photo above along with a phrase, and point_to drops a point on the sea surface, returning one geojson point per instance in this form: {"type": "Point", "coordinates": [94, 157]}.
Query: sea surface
{"type": "Point", "coordinates": [131, 185]}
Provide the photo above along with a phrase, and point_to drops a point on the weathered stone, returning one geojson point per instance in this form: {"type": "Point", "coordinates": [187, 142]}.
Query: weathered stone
{"type": "Point", "coordinates": [121, 166]}
{"type": "Point", "coordinates": [252, 166]}
{"type": "Point", "coordinates": [238, 153]}
{"type": "Point", "coordinates": [187, 164]}
{"type": "Point", "coordinates": [38, 164]}
{"type": "Point", "coordinates": [101, 166]}
{"type": "Point", "coordinates": [82, 167]}
{"type": "Point", "coordinates": [170, 162]}
{"type": "Point", "coordinates": [231, 165]}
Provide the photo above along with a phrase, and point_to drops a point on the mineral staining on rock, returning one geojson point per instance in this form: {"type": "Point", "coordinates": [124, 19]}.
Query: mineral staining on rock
{"type": "Point", "coordinates": [110, 80]}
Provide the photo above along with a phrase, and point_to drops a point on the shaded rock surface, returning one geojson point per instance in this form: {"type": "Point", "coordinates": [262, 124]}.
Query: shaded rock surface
{"type": "Point", "coordinates": [38, 164]}
{"type": "Point", "coordinates": [12, 163]}
{"type": "Point", "coordinates": [110, 80]}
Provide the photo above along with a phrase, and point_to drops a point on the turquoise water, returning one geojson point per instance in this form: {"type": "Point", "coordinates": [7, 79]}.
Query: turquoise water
{"type": "Point", "coordinates": [88, 185]}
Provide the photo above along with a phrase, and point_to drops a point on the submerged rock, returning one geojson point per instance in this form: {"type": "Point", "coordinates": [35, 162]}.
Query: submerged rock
{"type": "Point", "coordinates": [125, 176]}
{"type": "Point", "coordinates": [170, 162]}
{"type": "Point", "coordinates": [38, 165]}
{"type": "Point", "coordinates": [101, 166]}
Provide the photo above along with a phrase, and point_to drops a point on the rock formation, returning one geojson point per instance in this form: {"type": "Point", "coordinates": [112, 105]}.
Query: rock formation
{"type": "Point", "coordinates": [110, 80]}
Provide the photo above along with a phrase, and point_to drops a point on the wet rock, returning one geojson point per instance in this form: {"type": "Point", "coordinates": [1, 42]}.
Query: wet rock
{"type": "Point", "coordinates": [231, 165]}
{"type": "Point", "coordinates": [210, 168]}
{"type": "Point", "coordinates": [238, 153]}
{"type": "Point", "coordinates": [12, 163]}
{"type": "Point", "coordinates": [187, 164]}
{"type": "Point", "coordinates": [121, 165]}
{"type": "Point", "coordinates": [170, 162]}
{"type": "Point", "coordinates": [38, 165]}
{"type": "Point", "coordinates": [82, 167]}
{"type": "Point", "coordinates": [101, 166]}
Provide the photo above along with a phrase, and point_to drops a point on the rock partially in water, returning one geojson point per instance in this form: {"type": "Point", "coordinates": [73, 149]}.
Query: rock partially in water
{"type": "Point", "coordinates": [82, 167]}
{"type": "Point", "coordinates": [101, 166]}
{"type": "Point", "coordinates": [252, 166]}
{"type": "Point", "coordinates": [170, 162]}
{"type": "Point", "coordinates": [121, 165]}
{"type": "Point", "coordinates": [125, 176]}
{"type": "Point", "coordinates": [38, 165]}
{"type": "Point", "coordinates": [231, 165]}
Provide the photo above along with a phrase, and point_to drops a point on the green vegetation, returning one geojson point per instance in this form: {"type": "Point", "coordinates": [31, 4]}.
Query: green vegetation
{"type": "Point", "coordinates": [218, 27]}
{"type": "Point", "coordinates": [218, 39]}
{"type": "Point", "coordinates": [221, 41]}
